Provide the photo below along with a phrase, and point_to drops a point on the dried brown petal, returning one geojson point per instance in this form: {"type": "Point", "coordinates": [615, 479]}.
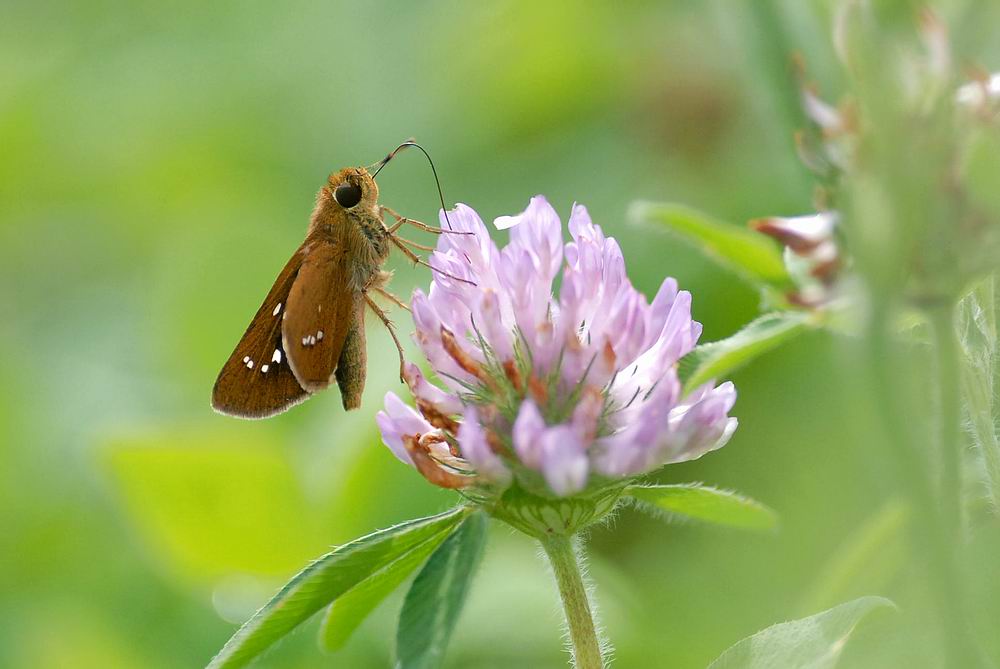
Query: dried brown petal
{"type": "Point", "coordinates": [431, 470]}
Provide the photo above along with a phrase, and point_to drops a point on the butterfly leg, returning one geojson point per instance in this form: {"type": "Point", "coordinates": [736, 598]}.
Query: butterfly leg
{"type": "Point", "coordinates": [422, 247]}
{"type": "Point", "coordinates": [420, 261]}
{"type": "Point", "coordinates": [402, 220]}
{"type": "Point", "coordinates": [392, 332]}
{"type": "Point", "coordinates": [392, 298]}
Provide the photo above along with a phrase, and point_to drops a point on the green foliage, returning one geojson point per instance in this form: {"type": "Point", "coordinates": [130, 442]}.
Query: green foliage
{"type": "Point", "coordinates": [977, 319]}
{"type": "Point", "coordinates": [815, 642]}
{"type": "Point", "coordinates": [350, 610]}
{"type": "Point", "coordinates": [437, 595]}
{"type": "Point", "coordinates": [749, 254]}
{"type": "Point", "coordinates": [981, 168]}
{"type": "Point", "coordinates": [707, 504]}
{"type": "Point", "coordinates": [328, 578]}
{"type": "Point", "coordinates": [867, 560]}
{"type": "Point", "coordinates": [720, 358]}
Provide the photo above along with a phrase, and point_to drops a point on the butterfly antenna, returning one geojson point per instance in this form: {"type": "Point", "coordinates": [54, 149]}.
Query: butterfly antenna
{"type": "Point", "coordinates": [392, 154]}
{"type": "Point", "coordinates": [437, 182]}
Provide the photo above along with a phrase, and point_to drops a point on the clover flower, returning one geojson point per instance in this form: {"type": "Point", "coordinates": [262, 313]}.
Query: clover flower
{"type": "Point", "coordinates": [555, 394]}
{"type": "Point", "coordinates": [949, 250]}
{"type": "Point", "coordinates": [980, 95]}
{"type": "Point", "coordinates": [812, 254]}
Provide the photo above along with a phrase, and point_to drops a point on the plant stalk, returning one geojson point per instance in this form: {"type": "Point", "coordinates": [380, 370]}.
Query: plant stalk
{"type": "Point", "coordinates": [583, 634]}
{"type": "Point", "coordinates": [979, 379]}
{"type": "Point", "coordinates": [932, 531]}
{"type": "Point", "coordinates": [947, 370]}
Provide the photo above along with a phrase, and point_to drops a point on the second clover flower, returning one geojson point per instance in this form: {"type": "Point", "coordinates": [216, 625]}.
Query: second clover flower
{"type": "Point", "coordinates": [555, 394]}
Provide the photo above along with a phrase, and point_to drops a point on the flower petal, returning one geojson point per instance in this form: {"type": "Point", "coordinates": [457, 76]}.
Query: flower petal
{"type": "Point", "coordinates": [564, 460]}
{"type": "Point", "coordinates": [475, 447]}
{"type": "Point", "coordinates": [427, 335]}
{"type": "Point", "coordinates": [527, 433]}
{"type": "Point", "coordinates": [539, 231]}
{"type": "Point", "coordinates": [702, 426]}
{"type": "Point", "coordinates": [398, 421]}
{"type": "Point", "coordinates": [423, 389]}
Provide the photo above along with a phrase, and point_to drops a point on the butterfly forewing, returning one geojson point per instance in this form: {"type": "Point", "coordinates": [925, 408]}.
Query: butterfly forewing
{"type": "Point", "coordinates": [257, 381]}
{"type": "Point", "coordinates": [322, 306]}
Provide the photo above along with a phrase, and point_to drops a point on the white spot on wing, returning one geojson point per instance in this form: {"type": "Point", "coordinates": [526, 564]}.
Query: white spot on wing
{"type": "Point", "coordinates": [319, 335]}
{"type": "Point", "coordinates": [277, 308]}
{"type": "Point", "coordinates": [246, 359]}
{"type": "Point", "coordinates": [277, 355]}
{"type": "Point", "coordinates": [249, 364]}
{"type": "Point", "coordinates": [263, 368]}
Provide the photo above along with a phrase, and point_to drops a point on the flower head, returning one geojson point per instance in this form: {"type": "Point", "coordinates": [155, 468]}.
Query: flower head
{"type": "Point", "coordinates": [557, 394]}
{"type": "Point", "coordinates": [812, 255]}
{"type": "Point", "coordinates": [981, 94]}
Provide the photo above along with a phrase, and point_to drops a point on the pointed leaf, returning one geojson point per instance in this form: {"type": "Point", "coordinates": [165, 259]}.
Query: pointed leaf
{"type": "Point", "coordinates": [747, 253]}
{"type": "Point", "coordinates": [721, 358]}
{"type": "Point", "coordinates": [349, 611]}
{"type": "Point", "coordinates": [437, 595]}
{"type": "Point", "coordinates": [982, 168]}
{"type": "Point", "coordinates": [326, 579]}
{"type": "Point", "coordinates": [810, 643]}
{"type": "Point", "coordinates": [865, 560]}
{"type": "Point", "coordinates": [707, 504]}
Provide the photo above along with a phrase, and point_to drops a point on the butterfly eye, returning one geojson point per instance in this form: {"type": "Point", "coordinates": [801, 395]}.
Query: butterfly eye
{"type": "Point", "coordinates": [347, 195]}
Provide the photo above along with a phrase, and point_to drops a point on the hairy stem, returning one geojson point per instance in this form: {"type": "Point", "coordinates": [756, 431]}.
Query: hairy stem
{"type": "Point", "coordinates": [583, 634]}
{"type": "Point", "coordinates": [949, 443]}
{"type": "Point", "coordinates": [931, 533]}
{"type": "Point", "coordinates": [976, 394]}
{"type": "Point", "coordinates": [979, 379]}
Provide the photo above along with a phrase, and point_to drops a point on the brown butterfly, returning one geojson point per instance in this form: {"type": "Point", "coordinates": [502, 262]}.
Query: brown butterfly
{"type": "Point", "coordinates": [310, 328]}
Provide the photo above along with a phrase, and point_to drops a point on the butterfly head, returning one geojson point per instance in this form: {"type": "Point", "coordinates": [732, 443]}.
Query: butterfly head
{"type": "Point", "coordinates": [353, 187]}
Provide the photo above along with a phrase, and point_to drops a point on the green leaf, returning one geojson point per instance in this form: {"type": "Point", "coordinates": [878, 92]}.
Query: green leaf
{"type": "Point", "coordinates": [326, 579]}
{"type": "Point", "coordinates": [749, 254]}
{"type": "Point", "coordinates": [981, 168]}
{"type": "Point", "coordinates": [810, 643]}
{"type": "Point", "coordinates": [349, 611]}
{"type": "Point", "coordinates": [721, 358]}
{"type": "Point", "coordinates": [867, 559]}
{"type": "Point", "coordinates": [437, 595]}
{"type": "Point", "coordinates": [707, 504]}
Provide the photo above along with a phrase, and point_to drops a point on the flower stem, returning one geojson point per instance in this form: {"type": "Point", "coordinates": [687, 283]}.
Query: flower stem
{"type": "Point", "coordinates": [563, 557]}
{"type": "Point", "coordinates": [932, 534]}
{"type": "Point", "coordinates": [948, 372]}
{"type": "Point", "coordinates": [979, 378]}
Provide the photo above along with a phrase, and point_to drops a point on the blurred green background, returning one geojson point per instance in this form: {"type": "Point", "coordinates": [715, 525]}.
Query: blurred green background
{"type": "Point", "coordinates": [158, 163]}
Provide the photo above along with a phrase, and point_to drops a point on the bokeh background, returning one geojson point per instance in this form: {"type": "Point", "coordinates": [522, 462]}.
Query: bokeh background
{"type": "Point", "coordinates": [158, 163]}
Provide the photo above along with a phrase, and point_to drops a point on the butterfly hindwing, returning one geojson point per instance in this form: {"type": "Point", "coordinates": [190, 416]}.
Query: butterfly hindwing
{"type": "Point", "coordinates": [353, 364]}
{"type": "Point", "coordinates": [257, 380]}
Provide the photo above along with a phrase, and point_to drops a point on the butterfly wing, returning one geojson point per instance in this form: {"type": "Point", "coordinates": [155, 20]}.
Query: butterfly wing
{"type": "Point", "coordinates": [353, 364]}
{"type": "Point", "coordinates": [257, 381]}
{"type": "Point", "coordinates": [322, 310]}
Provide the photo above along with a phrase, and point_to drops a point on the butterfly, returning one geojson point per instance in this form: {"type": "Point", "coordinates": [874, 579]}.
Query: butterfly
{"type": "Point", "coordinates": [310, 331]}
